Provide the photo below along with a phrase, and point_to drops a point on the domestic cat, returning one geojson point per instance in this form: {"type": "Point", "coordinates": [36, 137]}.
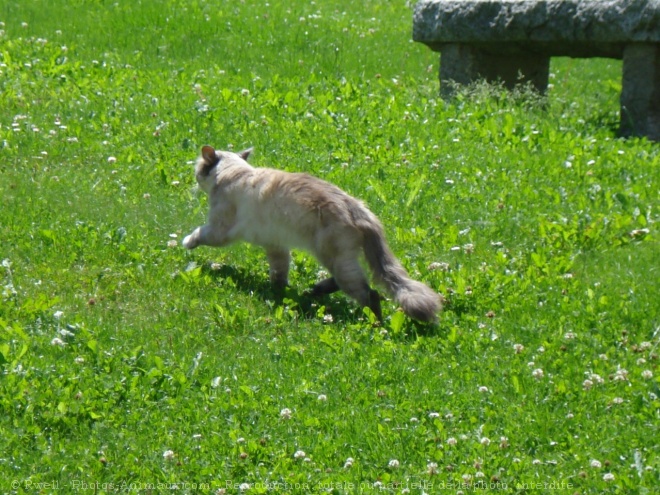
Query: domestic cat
{"type": "Point", "coordinates": [279, 210]}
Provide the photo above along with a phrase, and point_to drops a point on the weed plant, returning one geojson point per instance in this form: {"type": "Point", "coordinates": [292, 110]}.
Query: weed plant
{"type": "Point", "coordinates": [129, 365]}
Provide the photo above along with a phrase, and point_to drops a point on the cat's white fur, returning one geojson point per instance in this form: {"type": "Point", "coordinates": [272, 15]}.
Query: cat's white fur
{"type": "Point", "coordinates": [280, 210]}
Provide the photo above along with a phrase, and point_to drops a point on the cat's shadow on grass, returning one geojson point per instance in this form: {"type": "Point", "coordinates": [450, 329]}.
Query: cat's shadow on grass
{"type": "Point", "coordinates": [343, 310]}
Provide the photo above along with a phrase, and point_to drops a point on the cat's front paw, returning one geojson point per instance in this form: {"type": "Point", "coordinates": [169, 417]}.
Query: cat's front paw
{"type": "Point", "coordinates": [189, 242]}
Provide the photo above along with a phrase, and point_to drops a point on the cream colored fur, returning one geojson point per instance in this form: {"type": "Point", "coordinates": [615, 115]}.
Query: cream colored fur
{"type": "Point", "coordinates": [279, 210]}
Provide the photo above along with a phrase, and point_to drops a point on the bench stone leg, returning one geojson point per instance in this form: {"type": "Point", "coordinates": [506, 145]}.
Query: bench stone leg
{"type": "Point", "coordinates": [462, 64]}
{"type": "Point", "coordinates": [640, 92]}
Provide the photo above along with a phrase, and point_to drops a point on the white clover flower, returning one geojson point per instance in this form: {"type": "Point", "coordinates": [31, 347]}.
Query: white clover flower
{"type": "Point", "coordinates": [244, 487]}
{"type": "Point", "coordinates": [436, 265]}
{"type": "Point", "coordinates": [587, 384]}
{"type": "Point", "coordinates": [536, 462]}
{"type": "Point", "coordinates": [452, 441]}
{"type": "Point", "coordinates": [569, 336]}
{"type": "Point", "coordinates": [414, 420]}
{"type": "Point", "coordinates": [608, 477]}
{"type": "Point", "coordinates": [299, 454]}
{"type": "Point", "coordinates": [621, 375]}
{"type": "Point", "coordinates": [393, 464]}
{"type": "Point", "coordinates": [168, 455]}
{"type": "Point", "coordinates": [485, 441]}
{"type": "Point", "coordinates": [647, 374]}
{"type": "Point", "coordinates": [434, 415]}
{"type": "Point", "coordinates": [349, 462]}
{"type": "Point", "coordinates": [112, 159]}
{"type": "Point", "coordinates": [58, 314]}
{"type": "Point", "coordinates": [638, 233]}
{"type": "Point", "coordinates": [58, 342]}
{"type": "Point", "coordinates": [285, 413]}
{"type": "Point", "coordinates": [617, 400]}
{"type": "Point", "coordinates": [79, 360]}
{"type": "Point", "coordinates": [327, 318]}
{"type": "Point", "coordinates": [483, 389]}
{"type": "Point", "coordinates": [432, 468]}
{"type": "Point", "coordinates": [322, 397]}
{"type": "Point", "coordinates": [595, 464]}
{"type": "Point", "coordinates": [518, 348]}
{"type": "Point", "coordinates": [240, 440]}
{"type": "Point", "coordinates": [537, 373]}
{"type": "Point", "coordinates": [645, 346]}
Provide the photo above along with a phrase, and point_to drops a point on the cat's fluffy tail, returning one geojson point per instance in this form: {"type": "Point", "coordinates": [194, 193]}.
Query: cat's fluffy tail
{"type": "Point", "coordinates": [416, 299]}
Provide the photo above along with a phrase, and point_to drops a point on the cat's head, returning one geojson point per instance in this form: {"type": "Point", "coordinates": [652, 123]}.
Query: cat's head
{"type": "Point", "coordinates": [211, 159]}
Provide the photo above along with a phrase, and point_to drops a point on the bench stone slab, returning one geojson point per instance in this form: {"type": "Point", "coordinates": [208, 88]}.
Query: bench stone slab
{"type": "Point", "coordinates": [512, 41]}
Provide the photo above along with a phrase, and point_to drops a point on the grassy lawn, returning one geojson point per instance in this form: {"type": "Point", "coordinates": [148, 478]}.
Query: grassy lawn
{"type": "Point", "coordinates": [130, 365]}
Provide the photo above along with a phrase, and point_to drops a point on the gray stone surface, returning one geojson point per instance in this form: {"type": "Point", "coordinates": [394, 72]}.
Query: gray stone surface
{"type": "Point", "coordinates": [462, 64]}
{"type": "Point", "coordinates": [511, 41]}
{"type": "Point", "coordinates": [640, 91]}
{"type": "Point", "coordinates": [573, 28]}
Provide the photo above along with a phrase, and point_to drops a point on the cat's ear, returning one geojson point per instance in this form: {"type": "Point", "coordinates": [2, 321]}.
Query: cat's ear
{"type": "Point", "coordinates": [245, 153]}
{"type": "Point", "coordinates": [209, 155]}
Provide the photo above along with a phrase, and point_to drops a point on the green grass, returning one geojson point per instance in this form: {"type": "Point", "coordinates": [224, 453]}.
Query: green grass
{"type": "Point", "coordinates": [533, 219]}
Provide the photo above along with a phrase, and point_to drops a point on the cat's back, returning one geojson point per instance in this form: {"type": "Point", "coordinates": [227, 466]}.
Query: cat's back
{"type": "Point", "coordinates": [300, 188]}
{"type": "Point", "coordinates": [297, 194]}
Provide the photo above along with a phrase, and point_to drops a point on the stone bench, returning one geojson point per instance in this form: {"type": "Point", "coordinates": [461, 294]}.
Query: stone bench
{"type": "Point", "coordinates": [512, 41]}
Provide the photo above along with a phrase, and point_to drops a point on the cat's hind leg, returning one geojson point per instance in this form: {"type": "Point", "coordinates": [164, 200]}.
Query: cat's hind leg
{"type": "Point", "coordinates": [278, 261]}
{"type": "Point", "coordinates": [350, 278]}
{"type": "Point", "coordinates": [327, 286]}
